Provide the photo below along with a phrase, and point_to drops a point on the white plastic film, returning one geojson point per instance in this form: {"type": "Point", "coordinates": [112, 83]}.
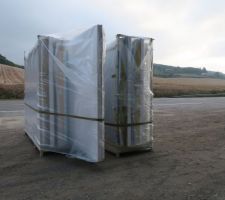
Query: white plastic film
{"type": "Point", "coordinates": [128, 86]}
{"type": "Point", "coordinates": [64, 94]}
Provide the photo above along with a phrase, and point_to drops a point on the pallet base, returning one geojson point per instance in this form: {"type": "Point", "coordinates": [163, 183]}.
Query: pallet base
{"type": "Point", "coordinates": [111, 148]}
{"type": "Point", "coordinates": [41, 152]}
{"type": "Point", "coordinates": [118, 150]}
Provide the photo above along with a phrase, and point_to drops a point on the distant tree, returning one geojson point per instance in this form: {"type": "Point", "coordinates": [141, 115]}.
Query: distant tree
{"type": "Point", "coordinates": [217, 74]}
{"type": "Point", "coordinates": [204, 70]}
{"type": "Point", "coordinates": [4, 60]}
{"type": "Point", "coordinates": [171, 71]}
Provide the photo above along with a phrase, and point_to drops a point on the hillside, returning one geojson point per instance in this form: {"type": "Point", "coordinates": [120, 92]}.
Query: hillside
{"type": "Point", "coordinates": [167, 71]}
{"type": "Point", "coordinates": [11, 82]}
{"type": "Point", "coordinates": [5, 61]}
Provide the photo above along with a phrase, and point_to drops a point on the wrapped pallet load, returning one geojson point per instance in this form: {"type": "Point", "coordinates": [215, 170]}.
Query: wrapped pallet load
{"type": "Point", "coordinates": [128, 75]}
{"type": "Point", "coordinates": [64, 105]}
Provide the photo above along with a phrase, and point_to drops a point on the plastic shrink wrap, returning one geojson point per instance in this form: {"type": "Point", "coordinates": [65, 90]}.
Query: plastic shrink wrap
{"type": "Point", "coordinates": [128, 75]}
{"type": "Point", "coordinates": [64, 105]}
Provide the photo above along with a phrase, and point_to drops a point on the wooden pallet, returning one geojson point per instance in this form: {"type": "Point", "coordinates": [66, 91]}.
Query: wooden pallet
{"type": "Point", "coordinates": [118, 150]}
{"type": "Point", "coordinates": [41, 152]}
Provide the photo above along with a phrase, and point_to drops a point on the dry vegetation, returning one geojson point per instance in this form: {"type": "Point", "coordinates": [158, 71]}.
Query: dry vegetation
{"type": "Point", "coordinates": [170, 87]}
{"type": "Point", "coordinates": [12, 85]}
{"type": "Point", "coordinates": [11, 82]}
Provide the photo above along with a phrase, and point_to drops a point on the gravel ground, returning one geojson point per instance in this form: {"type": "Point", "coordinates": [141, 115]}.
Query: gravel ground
{"type": "Point", "coordinates": [188, 161]}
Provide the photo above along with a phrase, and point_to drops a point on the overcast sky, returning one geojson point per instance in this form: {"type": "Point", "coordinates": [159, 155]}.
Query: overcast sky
{"type": "Point", "coordinates": [186, 33]}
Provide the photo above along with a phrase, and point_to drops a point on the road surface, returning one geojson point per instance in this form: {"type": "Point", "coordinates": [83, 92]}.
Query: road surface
{"type": "Point", "coordinates": [188, 161]}
{"type": "Point", "coordinates": [11, 108]}
{"type": "Point", "coordinates": [16, 107]}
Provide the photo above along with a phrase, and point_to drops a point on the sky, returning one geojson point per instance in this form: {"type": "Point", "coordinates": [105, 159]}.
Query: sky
{"type": "Point", "coordinates": [187, 33]}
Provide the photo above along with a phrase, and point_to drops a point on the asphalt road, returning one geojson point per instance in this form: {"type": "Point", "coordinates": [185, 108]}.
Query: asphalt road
{"type": "Point", "coordinates": [12, 108]}
{"type": "Point", "coordinates": [12, 111]}
{"type": "Point", "coordinates": [188, 161]}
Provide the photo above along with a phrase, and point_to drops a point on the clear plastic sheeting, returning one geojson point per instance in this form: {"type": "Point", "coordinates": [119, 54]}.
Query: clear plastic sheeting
{"type": "Point", "coordinates": [128, 75]}
{"type": "Point", "coordinates": [64, 104]}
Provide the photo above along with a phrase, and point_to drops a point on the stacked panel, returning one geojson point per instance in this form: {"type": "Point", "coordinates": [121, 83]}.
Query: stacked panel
{"type": "Point", "coordinates": [128, 75]}
{"type": "Point", "coordinates": [64, 105]}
